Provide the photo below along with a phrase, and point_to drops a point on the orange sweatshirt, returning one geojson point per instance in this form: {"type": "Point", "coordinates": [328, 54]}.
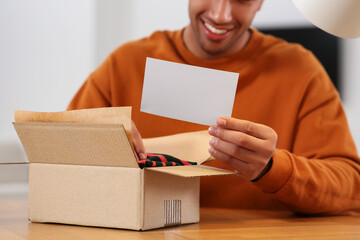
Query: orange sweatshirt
{"type": "Point", "coordinates": [315, 166]}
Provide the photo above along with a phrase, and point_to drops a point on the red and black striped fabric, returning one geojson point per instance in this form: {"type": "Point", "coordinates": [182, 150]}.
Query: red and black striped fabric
{"type": "Point", "coordinates": [162, 160]}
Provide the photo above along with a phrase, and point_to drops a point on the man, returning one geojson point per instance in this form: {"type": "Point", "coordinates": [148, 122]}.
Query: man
{"type": "Point", "coordinates": [288, 137]}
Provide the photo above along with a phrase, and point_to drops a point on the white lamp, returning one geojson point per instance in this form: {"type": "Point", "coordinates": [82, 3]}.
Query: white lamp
{"type": "Point", "coordinates": [338, 17]}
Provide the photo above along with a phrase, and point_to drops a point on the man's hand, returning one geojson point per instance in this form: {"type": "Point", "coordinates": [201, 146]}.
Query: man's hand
{"type": "Point", "coordinates": [138, 143]}
{"type": "Point", "coordinates": [245, 146]}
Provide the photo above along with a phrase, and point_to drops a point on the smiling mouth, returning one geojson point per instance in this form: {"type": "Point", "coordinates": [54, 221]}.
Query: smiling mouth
{"type": "Point", "coordinates": [215, 30]}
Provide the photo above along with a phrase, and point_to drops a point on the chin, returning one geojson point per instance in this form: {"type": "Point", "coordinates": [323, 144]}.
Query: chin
{"type": "Point", "coordinates": [214, 50]}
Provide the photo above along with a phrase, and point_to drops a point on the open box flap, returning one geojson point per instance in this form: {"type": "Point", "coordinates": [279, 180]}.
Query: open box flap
{"type": "Point", "coordinates": [191, 146]}
{"type": "Point", "coordinates": [111, 115]}
{"type": "Point", "coordinates": [191, 171]}
{"type": "Point", "coordinates": [76, 143]}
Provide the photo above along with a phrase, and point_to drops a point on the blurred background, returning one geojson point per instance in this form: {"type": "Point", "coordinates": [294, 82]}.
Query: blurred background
{"type": "Point", "coordinates": [48, 48]}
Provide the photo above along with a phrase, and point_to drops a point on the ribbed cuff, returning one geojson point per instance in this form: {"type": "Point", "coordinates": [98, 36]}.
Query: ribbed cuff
{"type": "Point", "coordinates": [264, 171]}
{"type": "Point", "coordinates": [278, 174]}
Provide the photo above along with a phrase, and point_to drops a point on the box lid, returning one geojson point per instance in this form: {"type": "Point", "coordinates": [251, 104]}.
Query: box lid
{"type": "Point", "coordinates": [76, 143]}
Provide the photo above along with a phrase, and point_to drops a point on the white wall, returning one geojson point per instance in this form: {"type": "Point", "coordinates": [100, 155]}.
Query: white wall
{"type": "Point", "coordinates": [113, 24]}
{"type": "Point", "coordinates": [121, 21]}
{"type": "Point", "coordinates": [159, 15]}
{"type": "Point", "coordinates": [48, 48]}
{"type": "Point", "coordinates": [46, 51]}
{"type": "Point", "coordinates": [351, 84]}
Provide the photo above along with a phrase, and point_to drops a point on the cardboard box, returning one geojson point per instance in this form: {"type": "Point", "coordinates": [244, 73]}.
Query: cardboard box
{"type": "Point", "coordinates": [87, 174]}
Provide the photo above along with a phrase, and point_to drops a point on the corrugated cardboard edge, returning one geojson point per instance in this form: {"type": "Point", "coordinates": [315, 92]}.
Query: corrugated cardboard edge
{"type": "Point", "coordinates": [113, 115]}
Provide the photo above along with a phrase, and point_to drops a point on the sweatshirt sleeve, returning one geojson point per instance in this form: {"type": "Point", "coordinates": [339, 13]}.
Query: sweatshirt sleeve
{"type": "Point", "coordinates": [321, 174]}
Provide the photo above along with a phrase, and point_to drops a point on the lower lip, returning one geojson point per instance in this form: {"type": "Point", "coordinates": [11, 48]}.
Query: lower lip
{"type": "Point", "coordinates": [213, 36]}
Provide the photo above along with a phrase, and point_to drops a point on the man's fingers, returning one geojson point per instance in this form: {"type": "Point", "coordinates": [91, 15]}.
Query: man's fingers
{"type": "Point", "coordinates": [233, 150]}
{"type": "Point", "coordinates": [229, 160]}
{"type": "Point", "coordinates": [243, 145]}
{"type": "Point", "coordinates": [244, 169]}
{"type": "Point", "coordinates": [138, 143]}
{"type": "Point", "coordinates": [247, 170]}
{"type": "Point", "coordinates": [250, 128]}
{"type": "Point", "coordinates": [238, 138]}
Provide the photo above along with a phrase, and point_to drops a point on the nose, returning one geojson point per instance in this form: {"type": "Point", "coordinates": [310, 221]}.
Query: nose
{"type": "Point", "coordinates": [220, 11]}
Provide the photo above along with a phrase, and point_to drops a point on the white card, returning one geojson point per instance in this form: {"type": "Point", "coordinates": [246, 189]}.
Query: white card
{"type": "Point", "coordinates": [187, 93]}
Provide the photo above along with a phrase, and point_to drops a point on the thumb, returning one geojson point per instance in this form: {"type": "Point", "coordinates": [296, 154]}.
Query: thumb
{"type": "Point", "coordinates": [138, 143]}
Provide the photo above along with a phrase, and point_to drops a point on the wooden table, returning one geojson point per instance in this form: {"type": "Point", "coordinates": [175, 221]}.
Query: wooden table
{"type": "Point", "coordinates": [214, 224]}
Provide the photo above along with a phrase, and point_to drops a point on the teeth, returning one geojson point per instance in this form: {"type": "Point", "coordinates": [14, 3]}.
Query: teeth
{"type": "Point", "coordinates": [215, 30]}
